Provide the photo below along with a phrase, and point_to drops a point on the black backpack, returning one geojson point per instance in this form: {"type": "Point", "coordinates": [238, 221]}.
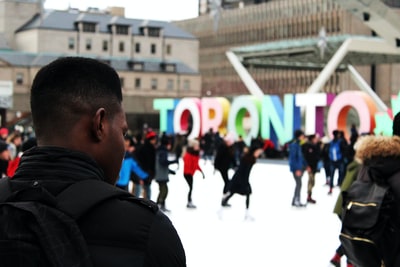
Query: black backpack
{"type": "Point", "coordinates": [370, 233]}
{"type": "Point", "coordinates": [39, 229]}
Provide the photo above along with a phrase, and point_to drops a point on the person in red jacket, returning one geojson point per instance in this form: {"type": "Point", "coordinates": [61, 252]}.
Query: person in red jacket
{"type": "Point", "coordinates": [190, 166]}
{"type": "Point", "coordinates": [14, 163]}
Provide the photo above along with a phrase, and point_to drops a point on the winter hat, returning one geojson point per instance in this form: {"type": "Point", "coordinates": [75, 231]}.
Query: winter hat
{"type": "Point", "coordinates": [3, 131]}
{"type": "Point", "coordinates": [193, 142]}
{"type": "Point", "coordinates": [150, 135]}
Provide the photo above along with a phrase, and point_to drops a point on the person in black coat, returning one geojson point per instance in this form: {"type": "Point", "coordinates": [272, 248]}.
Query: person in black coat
{"type": "Point", "coordinates": [179, 143]}
{"type": "Point", "coordinates": [146, 156]}
{"type": "Point", "coordinates": [312, 154]}
{"type": "Point", "coordinates": [324, 148]}
{"type": "Point", "coordinates": [80, 124]}
{"type": "Point", "coordinates": [240, 147]}
{"type": "Point", "coordinates": [225, 160]}
{"type": "Point", "coordinates": [208, 145]}
{"type": "Point", "coordinates": [239, 184]}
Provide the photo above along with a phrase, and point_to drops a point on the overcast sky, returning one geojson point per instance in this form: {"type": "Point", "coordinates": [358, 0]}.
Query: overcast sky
{"type": "Point", "coordinates": [165, 10]}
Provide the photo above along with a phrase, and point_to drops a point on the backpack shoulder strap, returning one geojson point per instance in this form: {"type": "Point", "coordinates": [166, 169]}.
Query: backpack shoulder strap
{"type": "Point", "coordinates": [80, 197]}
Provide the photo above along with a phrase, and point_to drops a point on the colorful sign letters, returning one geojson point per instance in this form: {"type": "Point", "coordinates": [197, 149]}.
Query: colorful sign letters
{"type": "Point", "coordinates": [268, 117]}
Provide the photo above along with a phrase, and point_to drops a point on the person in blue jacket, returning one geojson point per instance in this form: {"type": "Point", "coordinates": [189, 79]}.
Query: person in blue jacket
{"type": "Point", "coordinates": [129, 165]}
{"type": "Point", "coordinates": [297, 165]}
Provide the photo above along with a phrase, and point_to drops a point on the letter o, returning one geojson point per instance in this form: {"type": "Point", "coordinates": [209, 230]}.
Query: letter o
{"type": "Point", "coordinates": [186, 107]}
{"type": "Point", "coordinates": [339, 110]}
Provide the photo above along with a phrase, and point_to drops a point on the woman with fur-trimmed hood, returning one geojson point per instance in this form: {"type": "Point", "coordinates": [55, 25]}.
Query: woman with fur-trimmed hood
{"type": "Point", "coordinates": [380, 158]}
{"type": "Point", "coordinates": [380, 161]}
{"type": "Point", "coordinates": [377, 158]}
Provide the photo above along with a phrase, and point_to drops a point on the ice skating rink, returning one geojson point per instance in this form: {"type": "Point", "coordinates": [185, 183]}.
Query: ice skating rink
{"type": "Point", "coordinates": [279, 236]}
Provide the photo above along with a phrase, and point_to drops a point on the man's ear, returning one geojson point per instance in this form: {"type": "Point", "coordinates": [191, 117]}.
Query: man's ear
{"type": "Point", "coordinates": [98, 124]}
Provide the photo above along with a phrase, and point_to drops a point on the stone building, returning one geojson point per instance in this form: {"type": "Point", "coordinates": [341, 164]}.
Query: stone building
{"type": "Point", "coordinates": [153, 58]}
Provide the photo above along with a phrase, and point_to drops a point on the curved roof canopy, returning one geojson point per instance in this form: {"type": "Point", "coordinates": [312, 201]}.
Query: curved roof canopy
{"type": "Point", "coordinates": [307, 54]}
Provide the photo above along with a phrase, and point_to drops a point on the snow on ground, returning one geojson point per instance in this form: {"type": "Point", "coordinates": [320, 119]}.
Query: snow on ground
{"type": "Point", "coordinates": [280, 235]}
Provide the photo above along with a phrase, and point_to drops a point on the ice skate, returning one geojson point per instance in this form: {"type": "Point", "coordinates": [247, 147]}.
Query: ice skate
{"type": "Point", "coordinates": [190, 205]}
{"type": "Point", "coordinates": [163, 208]}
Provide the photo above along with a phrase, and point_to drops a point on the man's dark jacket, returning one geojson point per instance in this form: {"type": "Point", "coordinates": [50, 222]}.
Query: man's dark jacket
{"type": "Point", "coordinates": [118, 232]}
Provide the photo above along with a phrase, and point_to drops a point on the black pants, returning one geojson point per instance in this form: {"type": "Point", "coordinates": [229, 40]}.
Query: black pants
{"type": "Point", "coordinates": [189, 180]}
{"type": "Point", "coordinates": [340, 166]}
{"type": "Point", "coordinates": [162, 195]}
{"type": "Point", "coordinates": [224, 174]}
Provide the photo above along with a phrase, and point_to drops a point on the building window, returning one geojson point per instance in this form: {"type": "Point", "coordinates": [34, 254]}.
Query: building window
{"type": "Point", "coordinates": [137, 47]}
{"type": "Point", "coordinates": [89, 27]}
{"type": "Point", "coordinates": [170, 84]}
{"type": "Point", "coordinates": [186, 85]}
{"type": "Point", "coordinates": [71, 43]}
{"type": "Point", "coordinates": [168, 67]}
{"type": "Point", "coordinates": [153, 48]}
{"type": "Point", "coordinates": [138, 83]}
{"type": "Point", "coordinates": [19, 78]}
{"type": "Point", "coordinates": [105, 45]}
{"type": "Point", "coordinates": [154, 84]}
{"type": "Point", "coordinates": [123, 30]}
{"type": "Point", "coordinates": [155, 32]}
{"type": "Point", "coordinates": [88, 44]}
{"type": "Point", "coordinates": [121, 47]}
{"type": "Point", "coordinates": [168, 49]}
{"type": "Point", "coordinates": [138, 66]}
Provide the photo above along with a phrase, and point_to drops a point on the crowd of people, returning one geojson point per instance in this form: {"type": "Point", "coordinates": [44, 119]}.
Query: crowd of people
{"type": "Point", "coordinates": [12, 145]}
{"type": "Point", "coordinates": [153, 157]}
{"type": "Point", "coordinates": [311, 154]}
{"type": "Point", "coordinates": [149, 157]}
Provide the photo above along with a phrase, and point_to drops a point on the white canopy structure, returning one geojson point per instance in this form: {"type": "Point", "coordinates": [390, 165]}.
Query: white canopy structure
{"type": "Point", "coordinates": [340, 52]}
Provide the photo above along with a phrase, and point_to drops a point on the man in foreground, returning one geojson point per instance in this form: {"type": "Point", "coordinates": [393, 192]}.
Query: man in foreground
{"type": "Point", "coordinates": [80, 125]}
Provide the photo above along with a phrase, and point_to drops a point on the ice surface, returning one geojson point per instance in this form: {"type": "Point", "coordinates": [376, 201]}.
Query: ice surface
{"type": "Point", "coordinates": [279, 236]}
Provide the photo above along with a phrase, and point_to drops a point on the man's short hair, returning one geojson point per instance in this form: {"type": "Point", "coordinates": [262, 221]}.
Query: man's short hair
{"type": "Point", "coordinates": [69, 87]}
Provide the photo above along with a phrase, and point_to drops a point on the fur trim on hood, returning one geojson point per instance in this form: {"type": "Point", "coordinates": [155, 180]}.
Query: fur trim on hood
{"type": "Point", "coordinates": [371, 147]}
